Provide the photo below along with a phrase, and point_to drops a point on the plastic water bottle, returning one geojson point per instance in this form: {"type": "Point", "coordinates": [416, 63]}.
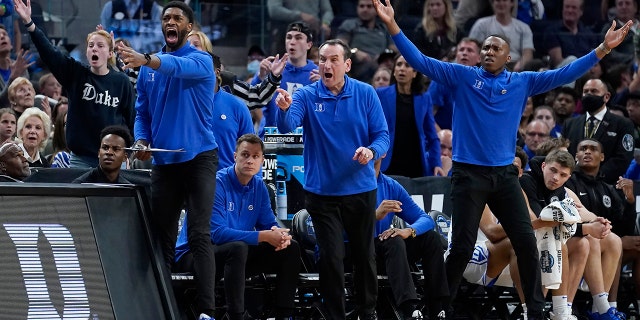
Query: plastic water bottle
{"type": "Point", "coordinates": [443, 224]}
{"type": "Point", "coordinates": [281, 200]}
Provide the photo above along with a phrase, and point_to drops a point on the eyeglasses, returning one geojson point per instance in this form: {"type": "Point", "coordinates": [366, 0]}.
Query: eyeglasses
{"type": "Point", "coordinates": [539, 134]}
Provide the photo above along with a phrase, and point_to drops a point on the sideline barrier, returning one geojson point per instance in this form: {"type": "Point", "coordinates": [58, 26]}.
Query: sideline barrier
{"type": "Point", "coordinates": [79, 252]}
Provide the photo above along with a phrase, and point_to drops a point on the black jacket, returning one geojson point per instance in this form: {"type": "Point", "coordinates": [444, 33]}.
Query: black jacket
{"type": "Point", "coordinates": [615, 133]}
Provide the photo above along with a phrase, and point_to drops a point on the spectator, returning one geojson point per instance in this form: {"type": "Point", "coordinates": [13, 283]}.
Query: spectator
{"type": "Point", "coordinates": [317, 14]}
{"type": "Point", "coordinates": [21, 95]}
{"type": "Point", "coordinates": [60, 156]}
{"type": "Point", "coordinates": [469, 11]}
{"type": "Point", "coordinates": [8, 122]}
{"type": "Point", "coordinates": [502, 23]}
{"type": "Point", "coordinates": [248, 240]}
{"type": "Point", "coordinates": [398, 248]}
{"type": "Point", "coordinates": [112, 155]}
{"type": "Point", "coordinates": [437, 32]}
{"type": "Point", "coordinates": [625, 52]}
{"type": "Point", "coordinates": [138, 21]}
{"type": "Point", "coordinates": [349, 205]}
{"type": "Point", "coordinates": [633, 110]}
{"type": "Point", "coordinates": [477, 177]}
{"type": "Point", "coordinates": [545, 114]}
{"type": "Point", "coordinates": [61, 107]}
{"type": "Point", "coordinates": [414, 144]}
{"type": "Point", "coordinates": [254, 57]}
{"type": "Point", "coordinates": [603, 200]}
{"type": "Point", "coordinates": [468, 54]}
{"type": "Point", "coordinates": [298, 72]}
{"type": "Point", "coordinates": [182, 76]}
{"type": "Point", "coordinates": [9, 71]}
{"type": "Point", "coordinates": [446, 149]}
{"type": "Point", "coordinates": [536, 133]}
{"type": "Point", "coordinates": [525, 119]}
{"type": "Point", "coordinates": [382, 78]}
{"type": "Point", "coordinates": [13, 165]}
{"type": "Point", "coordinates": [367, 38]}
{"type": "Point", "coordinates": [34, 127]}
{"type": "Point", "coordinates": [564, 106]}
{"type": "Point", "coordinates": [98, 95]}
{"type": "Point", "coordinates": [49, 86]}
{"type": "Point", "coordinates": [569, 37]}
{"type": "Point", "coordinates": [614, 132]}
{"type": "Point", "coordinates": [253, 96]}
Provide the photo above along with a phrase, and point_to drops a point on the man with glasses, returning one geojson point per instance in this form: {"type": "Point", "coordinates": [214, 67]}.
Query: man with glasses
{"type": "Point", "coordinates": [598, 123]}
{"type": "Point", "coordinates": [536, 133]}
{"type": "Point", "coordinates": [111, 155]}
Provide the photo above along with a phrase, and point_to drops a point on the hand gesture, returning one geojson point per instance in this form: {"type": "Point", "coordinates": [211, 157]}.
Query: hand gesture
{"type": "Point", "coordinates": [614, 37]}
{"type": "Point", "coordinates": [20, 66]}
{"type": "Point", "coordinates": [387, 206]}
{"type": "Point", "coordinates": [363, 155]}
{"type": "Point", "coordinates": [265, 66]}
{"type": "Point", "coordinates": [129, 57]}
{"type": "Point", "coordinates": [277, 65]}
{"type": "Point", "coordinates": [314, 75]}
{"type": "Point", "coordinates": [385, 12]}
{"type": "Point", "coordinates": [23, 10]}
{"type": "Point", "coordinates": [283, 100]}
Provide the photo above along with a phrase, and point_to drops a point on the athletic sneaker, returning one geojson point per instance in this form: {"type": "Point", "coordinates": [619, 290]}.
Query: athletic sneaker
{"type": "Point", "coordinates": [611, 314]}
{"type": "Point", "coordinates": [205, 317]}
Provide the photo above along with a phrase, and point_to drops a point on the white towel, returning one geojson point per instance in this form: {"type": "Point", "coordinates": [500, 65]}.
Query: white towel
{"type": "Point", "coordinates": [550, 240]}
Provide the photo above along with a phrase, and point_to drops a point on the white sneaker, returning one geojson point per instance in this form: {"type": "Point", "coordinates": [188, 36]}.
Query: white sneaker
{"type": "Point", "coordinates": [416, 315]}
{"type": "Point", "coordinates": [205, 317]}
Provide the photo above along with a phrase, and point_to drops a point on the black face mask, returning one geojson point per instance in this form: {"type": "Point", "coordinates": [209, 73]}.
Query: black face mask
{"type": "Point", "coordinates": [591, 103]}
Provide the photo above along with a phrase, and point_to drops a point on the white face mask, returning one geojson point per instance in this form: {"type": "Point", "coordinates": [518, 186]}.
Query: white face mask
{"type": "Point", "coordinates": [253, 66]}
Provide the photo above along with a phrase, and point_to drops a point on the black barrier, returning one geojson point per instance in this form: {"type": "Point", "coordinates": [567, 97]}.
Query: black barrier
{"type": "Point", "coordinates": [79, 252]}
{"type": "Point", "coordinates": [435, 192]}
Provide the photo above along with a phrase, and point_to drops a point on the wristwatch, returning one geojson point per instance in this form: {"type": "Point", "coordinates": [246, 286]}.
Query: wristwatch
{"type": "Point", "coordinates": [413, 232]}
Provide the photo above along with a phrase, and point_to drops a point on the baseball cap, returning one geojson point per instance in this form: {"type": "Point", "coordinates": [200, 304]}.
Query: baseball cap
{"type": "Point", "coordinates": [301, 27]}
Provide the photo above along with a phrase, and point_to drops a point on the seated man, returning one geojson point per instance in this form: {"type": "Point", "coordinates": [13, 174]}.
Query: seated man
{"type": "Point", "coordinates": [111, 155]}
{"type": "Point", "coordinates": [494, 261]}
{"type": "Point", "coordinates": [543, 185]}
{"type": "Point", "coordinates": [13, 165]}
{"type": "Point", "coordinates": [399, 247]}
{"type": "Point", "coordinates": [247, 238]}
{"type": "Point", "coordinates": [605, 201]}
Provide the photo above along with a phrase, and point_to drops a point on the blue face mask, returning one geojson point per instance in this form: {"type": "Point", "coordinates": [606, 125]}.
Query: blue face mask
{"type": "Point", "coordinates": [253, 66]}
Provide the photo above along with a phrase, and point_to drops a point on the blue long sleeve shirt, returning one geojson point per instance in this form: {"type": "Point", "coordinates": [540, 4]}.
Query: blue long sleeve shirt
{"type": "Point", "coordinates": [231, 119]}
{"type": "Point", "coordinates": [487, 107]}
{"type": "Point", "coordinates": [425, 123]}
{"type": "Point", "coordinates": [174, 104]}
{"type": "Point", "coordinates": [239, 212]}
{"type": "Point", "coordinates": [389, 189]}
{"type": "Point", "coordinates": [334, 127]}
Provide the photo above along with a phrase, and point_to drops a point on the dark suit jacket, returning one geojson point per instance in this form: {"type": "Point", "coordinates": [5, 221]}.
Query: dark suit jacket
{"type": "Point", "coordinates": [615, 133]}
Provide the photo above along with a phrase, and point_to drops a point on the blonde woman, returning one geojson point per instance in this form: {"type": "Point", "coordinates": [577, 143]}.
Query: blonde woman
{"type": "Point", "coordinates": [437, 32]}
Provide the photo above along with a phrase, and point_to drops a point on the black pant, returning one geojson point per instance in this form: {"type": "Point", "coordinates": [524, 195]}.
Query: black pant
{"type": "Point", "coordinates": [474, 186]}
{"type": "Point", "coordinates": [354, 214]}
{"type": "Point", "coordinates": [193, 184]}
{"type": "Point", "coordinates": [240, 260]}
{"type": "Point", "coordinates": [398, 255]}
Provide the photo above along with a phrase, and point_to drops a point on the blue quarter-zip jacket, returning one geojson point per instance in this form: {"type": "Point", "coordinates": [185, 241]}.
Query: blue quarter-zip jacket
{"type": "Point", "coordinates": [334, 127]}
{"type": "Point", "coordinates": [487, 106]}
